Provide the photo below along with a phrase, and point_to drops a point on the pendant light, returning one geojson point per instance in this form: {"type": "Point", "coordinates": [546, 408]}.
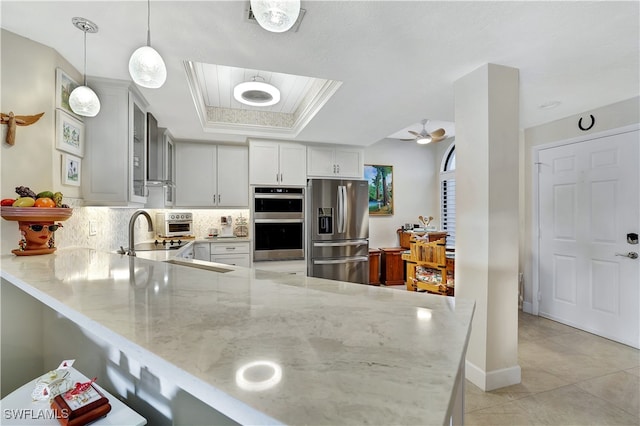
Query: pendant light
{"type": "Point", "coordinates": [276, 16]}
{"type": "Point", "coordinates": [82, 100]}
{"type": "Point", "coordinates": [146, 66]}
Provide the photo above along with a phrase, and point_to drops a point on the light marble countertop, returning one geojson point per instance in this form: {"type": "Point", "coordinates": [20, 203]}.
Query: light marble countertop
{"type": "Point", "coordinates": [264, 347]}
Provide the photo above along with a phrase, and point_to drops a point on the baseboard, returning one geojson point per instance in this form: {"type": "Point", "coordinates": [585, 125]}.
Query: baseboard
{"type": "Point", "coordinates": [527, 307]}
{"type": "Point", "coordinates": [493, 379]}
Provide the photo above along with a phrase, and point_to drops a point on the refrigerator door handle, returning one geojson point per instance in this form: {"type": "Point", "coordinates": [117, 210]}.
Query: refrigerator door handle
{"type": "Point", "coordinates": [342, 208]}
{"type": "Point", "coordinates": [341, 261]}
{"type": "Point", "coordinates": [341, 243]}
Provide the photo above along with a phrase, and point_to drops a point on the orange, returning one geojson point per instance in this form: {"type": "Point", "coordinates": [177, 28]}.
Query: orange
{"type": "Point", "coordinates": [45, 202]}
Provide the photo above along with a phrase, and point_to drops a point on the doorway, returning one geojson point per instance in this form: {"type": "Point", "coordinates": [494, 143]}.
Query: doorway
{"type": "Point", "coordinates": [588, 205]}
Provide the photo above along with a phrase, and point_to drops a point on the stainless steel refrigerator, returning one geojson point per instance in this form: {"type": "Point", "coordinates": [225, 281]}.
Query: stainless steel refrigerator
{"type": "Point", "coordinates": [338, 239]}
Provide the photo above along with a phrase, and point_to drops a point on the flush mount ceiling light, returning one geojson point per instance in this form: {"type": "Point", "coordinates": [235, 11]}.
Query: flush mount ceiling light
{"type": "Point", "coordinates": [146, 66]}
{"type": "Point", "coordinates": [423, 140]}
{"type": "Point", "coordinates": [82, 100]}
{"type": "Point", "coordinates": [256, 93]}
{"type": "Point", "coordinates": [276, 16]}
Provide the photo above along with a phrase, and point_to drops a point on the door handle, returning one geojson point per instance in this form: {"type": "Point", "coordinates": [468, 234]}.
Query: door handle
{"type": "Point", "coordinates": [630, 255]}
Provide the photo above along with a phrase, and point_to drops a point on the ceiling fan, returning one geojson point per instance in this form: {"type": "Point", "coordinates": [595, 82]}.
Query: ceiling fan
{"type": "Point", "coordinates": [425, 137]}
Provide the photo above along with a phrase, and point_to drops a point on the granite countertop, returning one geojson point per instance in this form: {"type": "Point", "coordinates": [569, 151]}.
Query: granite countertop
{"type": "Point", "coordinates": [326, 352]}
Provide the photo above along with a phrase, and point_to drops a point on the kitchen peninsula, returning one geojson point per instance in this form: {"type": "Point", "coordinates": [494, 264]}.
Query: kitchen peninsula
{"type": "Point", "coordinates": [261, 347]}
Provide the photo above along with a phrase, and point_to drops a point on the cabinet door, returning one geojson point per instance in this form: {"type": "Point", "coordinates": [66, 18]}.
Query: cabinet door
{"type": "Point", "coordinates": [320, 161]}
{"type": "Point", "coordinates": [293, 164]}
{"type": "Point", "coordinates": [233, 176]}
{"type": "Point", "coordinates": [138, 151]}
{"type": "Point", "coordinates": [201, 251]}
{"type": "Point", "coordinates": [349, 163]}
{"type": "Point", "coordinates": [105, 169]}
{"type": "Point", "coordinates": [195, 175]}
{"type": "Point", "coordinates": [263, 163]}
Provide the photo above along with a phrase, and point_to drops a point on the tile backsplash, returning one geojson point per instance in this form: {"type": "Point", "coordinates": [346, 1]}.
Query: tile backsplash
{"type": "Point", "coordinates": [112, 227]}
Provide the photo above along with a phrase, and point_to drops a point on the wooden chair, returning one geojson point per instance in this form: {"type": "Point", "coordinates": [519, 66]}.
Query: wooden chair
{"type": "Point", "coordinates": [428, 269]}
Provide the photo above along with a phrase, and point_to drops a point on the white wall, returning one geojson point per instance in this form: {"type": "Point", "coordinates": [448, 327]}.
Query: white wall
{"type": "Point", "coordinates": [416, 171]}
{"type": "Point", "coordinates": [607, 117]}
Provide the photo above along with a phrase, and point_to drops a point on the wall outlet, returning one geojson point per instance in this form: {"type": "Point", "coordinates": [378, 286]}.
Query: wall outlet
{"type": "Point", "coordinates": [93, 227]}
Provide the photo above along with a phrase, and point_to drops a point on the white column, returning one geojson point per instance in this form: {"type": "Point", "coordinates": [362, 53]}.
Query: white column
{"type": "Point", "coordinates": [487, 126]}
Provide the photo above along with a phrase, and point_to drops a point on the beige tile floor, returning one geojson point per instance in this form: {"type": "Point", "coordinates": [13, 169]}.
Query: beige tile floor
{"type": "Point", "coordinates": [569, 377]}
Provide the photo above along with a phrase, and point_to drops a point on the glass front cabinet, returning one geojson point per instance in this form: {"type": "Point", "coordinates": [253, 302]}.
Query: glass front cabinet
{"type": "Point", "coordinates": [118, 132]}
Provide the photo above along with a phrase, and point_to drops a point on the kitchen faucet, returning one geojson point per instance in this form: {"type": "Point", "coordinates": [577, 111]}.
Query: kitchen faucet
{"type": "Point", "coordinates": [132, 222]}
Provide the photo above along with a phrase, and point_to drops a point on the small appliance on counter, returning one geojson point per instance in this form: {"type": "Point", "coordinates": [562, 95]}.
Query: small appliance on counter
{"type": "Point", "coordinates": [226, 227]}
{"type": "Point", "coordinates": [174, 224]}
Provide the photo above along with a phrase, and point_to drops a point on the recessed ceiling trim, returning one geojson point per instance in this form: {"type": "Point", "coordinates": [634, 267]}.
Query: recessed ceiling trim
{"type": "Point", "coordinates": [253, 121]}
{"type": "Point", "coordinates": [196, 93]}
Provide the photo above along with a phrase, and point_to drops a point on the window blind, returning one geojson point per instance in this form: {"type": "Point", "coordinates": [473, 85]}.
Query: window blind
{"type": "Point", "coordinates": [448, 206]}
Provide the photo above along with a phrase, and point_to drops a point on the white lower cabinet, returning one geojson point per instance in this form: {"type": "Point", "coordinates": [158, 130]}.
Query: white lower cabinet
{"type": "Point", "coordinates": [233, 253]}
{"type": "Point", "coordinates": [201, 251]}
{"type": "Point", "coordinates": [229, 253]}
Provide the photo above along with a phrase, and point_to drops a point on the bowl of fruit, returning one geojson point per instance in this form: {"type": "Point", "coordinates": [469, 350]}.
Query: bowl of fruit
{"type": "Point", "coordinates": [36, 215]}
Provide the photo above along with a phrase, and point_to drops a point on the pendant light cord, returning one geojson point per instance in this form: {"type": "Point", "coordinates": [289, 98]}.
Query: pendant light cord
{"type": "Point", "coordinates": [149, 23]}
{"type": "Point", "coordinates": [84, 30]}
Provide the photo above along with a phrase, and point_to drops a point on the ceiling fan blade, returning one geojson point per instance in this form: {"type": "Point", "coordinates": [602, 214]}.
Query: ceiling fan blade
{"type": "Point", "coordinates": [438, 135]}
{"type": "Point", "coordinates": [412, 139]}
{"type": "Point", "coordinates": [414, 133]}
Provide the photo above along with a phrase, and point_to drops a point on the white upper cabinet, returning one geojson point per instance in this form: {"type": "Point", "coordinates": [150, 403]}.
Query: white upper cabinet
{"type": "Point", "coordinates": [277, 163]}
{"type": "Point", "coordinates": [114, 165]}
{"type": "Point", "coordinates": [211, 175]}
{"type": "Point", "coordinates": [335, 162]}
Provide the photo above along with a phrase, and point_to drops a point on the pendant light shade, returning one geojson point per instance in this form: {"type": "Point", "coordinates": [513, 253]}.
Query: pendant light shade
{"type": "Point", "coordinates": [276, 16]}
{"type": "Point", "coordinates": [146, 67]}
{"type": "Point", "coordinates": [424, 140]}
{"type": "Point", "coordinates": [82, 100]}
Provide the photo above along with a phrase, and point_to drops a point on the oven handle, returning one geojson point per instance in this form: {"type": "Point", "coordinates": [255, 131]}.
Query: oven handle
{"type": "Point", "coordinates": [341, 243]}
{"type": "Point", "coordinates": [287, 197]}
{"type": "Point", "coordinates": [278, 220]}
{"type": "Point", "coordinates": [341, 261]}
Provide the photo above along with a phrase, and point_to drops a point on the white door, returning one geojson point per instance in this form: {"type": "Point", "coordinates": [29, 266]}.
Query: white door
{"type": "Point", "coordinates": [588, 203]}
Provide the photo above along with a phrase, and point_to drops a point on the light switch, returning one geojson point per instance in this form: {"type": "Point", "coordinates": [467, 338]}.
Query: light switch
{"type": "Point", "coordinates": [93, 227]}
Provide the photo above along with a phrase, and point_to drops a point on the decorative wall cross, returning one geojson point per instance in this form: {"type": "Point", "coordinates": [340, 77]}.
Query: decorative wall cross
{"type": "Point", "coordinates": [12, 121]}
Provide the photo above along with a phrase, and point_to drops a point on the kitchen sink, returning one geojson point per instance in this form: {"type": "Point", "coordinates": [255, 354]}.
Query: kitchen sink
{"type": "Point", "coordinates": [199, 264]}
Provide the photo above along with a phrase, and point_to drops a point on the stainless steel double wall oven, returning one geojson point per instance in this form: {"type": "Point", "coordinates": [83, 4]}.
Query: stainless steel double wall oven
{"type": "Point", "coordinates": [278, 223]}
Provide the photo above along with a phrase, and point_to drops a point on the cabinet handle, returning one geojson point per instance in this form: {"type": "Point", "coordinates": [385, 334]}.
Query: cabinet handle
{"type": "Point", "coordinates": [281, 179]}
{"type": "Point", "coordinates": [277, 178]}
{"type": "Point", "coordinates": [338, 167]}
{"type": "Point", "coordinates": [231, 248]}
{"type": "Point", "coordinates": [334, 168]}
{"type": "Point", "coordinates": [218, 198]}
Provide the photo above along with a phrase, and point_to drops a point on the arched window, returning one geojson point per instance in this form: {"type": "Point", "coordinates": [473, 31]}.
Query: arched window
{"type": "Point", "coordinates": [448, 195]}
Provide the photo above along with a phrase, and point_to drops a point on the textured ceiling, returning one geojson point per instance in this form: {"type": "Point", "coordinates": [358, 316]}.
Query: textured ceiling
{"type": "Point", "coordinates": [397, 60]}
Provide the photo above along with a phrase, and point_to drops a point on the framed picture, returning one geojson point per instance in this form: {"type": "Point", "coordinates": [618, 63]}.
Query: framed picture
{"type": "Point", "coordinates": [380, 180]}
{"type": "Point", "coordinates": [69, 134]}
{"type": "Point", "coordinates": [64, 87]}
{"type": "Point", "coordinates": [71, 170]}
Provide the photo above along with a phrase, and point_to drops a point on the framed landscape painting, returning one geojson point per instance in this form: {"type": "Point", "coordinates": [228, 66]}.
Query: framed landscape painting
{"type": "Point", "coordinates": [64, 87]}
{"type": "Point", "coordinates": [380, 180]}
{"type": "Point", "coordinates": [69, 134]}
